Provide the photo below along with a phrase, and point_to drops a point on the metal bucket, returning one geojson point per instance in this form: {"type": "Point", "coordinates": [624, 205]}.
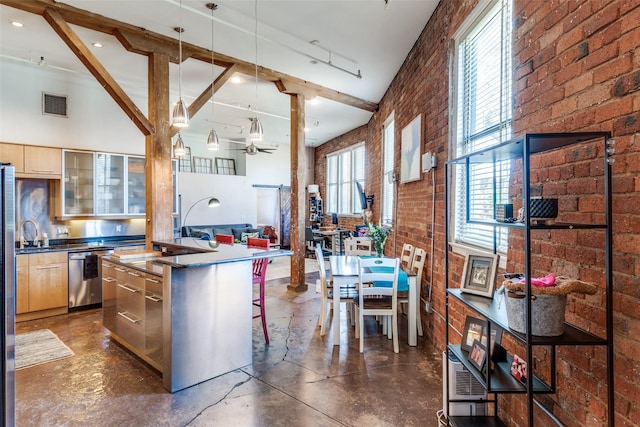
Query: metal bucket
{"type": "Point", "coordinates": [547, 313]}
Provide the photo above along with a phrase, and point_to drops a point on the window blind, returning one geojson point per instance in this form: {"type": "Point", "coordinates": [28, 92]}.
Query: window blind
{"type": "Point", "coordinates": [387, 168]}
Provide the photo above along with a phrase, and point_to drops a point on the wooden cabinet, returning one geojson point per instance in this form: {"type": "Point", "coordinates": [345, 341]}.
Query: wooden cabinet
{"type": "Point", "coordinates": [32, 161]}
{"type": "Point", "coordinates": [41, 285]}
{"type": "Point", "coordinates": [132, 310]}
{"type": "Point", "coordinates": [22, 284]}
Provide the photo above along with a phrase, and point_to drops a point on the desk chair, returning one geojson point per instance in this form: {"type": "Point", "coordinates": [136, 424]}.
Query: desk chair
{"type": "Point", "coordinates": [375, 300]}
{"type": "Point", "coordinates": [224, 238]}
{"type": "Point", "coordinates": [328, 292]}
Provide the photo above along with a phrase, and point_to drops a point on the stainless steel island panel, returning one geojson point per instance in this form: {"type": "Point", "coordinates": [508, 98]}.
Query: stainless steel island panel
{"type": "Point", "coordinates": [207, 316]}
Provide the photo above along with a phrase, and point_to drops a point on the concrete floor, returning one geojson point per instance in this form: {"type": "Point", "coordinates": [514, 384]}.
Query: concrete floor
{"type": "Point", "coordinates": [300, 379]}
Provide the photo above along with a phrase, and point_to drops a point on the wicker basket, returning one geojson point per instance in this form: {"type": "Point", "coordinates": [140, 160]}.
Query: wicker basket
{"type": "Point", "coordinates": [547, 305]}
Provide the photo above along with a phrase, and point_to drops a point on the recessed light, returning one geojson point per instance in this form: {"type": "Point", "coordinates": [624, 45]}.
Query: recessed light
{"type": "Point", "coordinates": [314, 101]}
{"type": "Point", "coordinates": [97, 44]}
{"type": "Point", "coordinates": [17, 24]}
{"type": "Point", "coordinates": [236, 80]}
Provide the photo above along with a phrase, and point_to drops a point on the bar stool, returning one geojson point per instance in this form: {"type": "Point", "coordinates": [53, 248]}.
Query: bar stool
{"type": "Point", "coordinates": [259, 274]}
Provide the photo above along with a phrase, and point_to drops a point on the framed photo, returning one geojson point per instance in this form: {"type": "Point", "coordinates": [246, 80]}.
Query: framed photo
{"type": "Point", "coordinates": [519, 368]}
{"type": "Point", "coordinates": [479, 274]}
{"type": "Point", "coordinates": [494, 341]}
{"type": "Point", "coordinates": [410, 151]}
{"type": "Point", "coordinates": [473, 329]}
{"type": "Point", "coordinates": [478, 355]}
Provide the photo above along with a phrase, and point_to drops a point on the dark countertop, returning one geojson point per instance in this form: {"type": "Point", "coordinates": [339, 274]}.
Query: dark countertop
{"type": "Point", "coordinates": [205, 255]}
{"type": "Point", "coordinates": [78, 245]}
{"type": "Point", "coordinates": [146, 265]}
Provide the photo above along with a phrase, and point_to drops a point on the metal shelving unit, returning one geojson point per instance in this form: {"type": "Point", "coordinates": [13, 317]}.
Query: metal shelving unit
{"type": "Point", "coordinates": [499, 380]}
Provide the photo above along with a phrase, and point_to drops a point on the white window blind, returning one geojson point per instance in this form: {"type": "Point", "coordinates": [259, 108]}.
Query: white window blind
{"type": "Point", "coordinates": [344, 168]}
{"type": "Point", "coordinates": [388, 151]}
{"type": "Point", "coordinates": [483, 118]}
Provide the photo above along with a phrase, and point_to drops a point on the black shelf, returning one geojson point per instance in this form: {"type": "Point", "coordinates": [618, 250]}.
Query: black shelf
{"type": "Point", "coordinates": [476, 421]}
{"type": "Point", "coordinates": [501, 380]}
{"type": "Point", "coordinates": [496, 311]}
{"type": "Point", "coordinates": [538, 143]}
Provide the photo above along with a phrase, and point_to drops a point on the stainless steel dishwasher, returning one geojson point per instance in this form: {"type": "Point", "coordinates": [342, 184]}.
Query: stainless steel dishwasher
{"type": "Point", "coordinates": [85, 278]}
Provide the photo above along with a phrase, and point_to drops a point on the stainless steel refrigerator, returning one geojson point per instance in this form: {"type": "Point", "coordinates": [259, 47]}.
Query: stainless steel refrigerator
{"type": "Point", "coordinates": [8, 275]}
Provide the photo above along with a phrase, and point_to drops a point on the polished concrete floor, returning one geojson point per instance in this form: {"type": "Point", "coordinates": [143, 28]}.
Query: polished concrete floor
{"type": "Point", "coordinates": [300, 379]}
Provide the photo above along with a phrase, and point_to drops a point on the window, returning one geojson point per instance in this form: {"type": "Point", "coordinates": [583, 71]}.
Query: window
{"type": "Point", "coordinates": [388, 150]}
{"type": "Point", "coordinates": [482, 82]}
{"type": "Point", "coordinates": [344, 168]}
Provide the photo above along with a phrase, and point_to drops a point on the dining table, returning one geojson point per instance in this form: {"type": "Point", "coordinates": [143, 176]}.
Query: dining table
{"type": "Point", "coordinates": [344, 271]}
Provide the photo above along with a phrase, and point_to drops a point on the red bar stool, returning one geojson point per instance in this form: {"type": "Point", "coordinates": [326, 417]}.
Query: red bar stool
{"type": "Point", "coordinates": [259, 274]}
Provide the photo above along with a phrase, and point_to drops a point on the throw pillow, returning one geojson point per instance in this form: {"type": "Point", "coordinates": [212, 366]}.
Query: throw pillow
{"type": "Point", "coordinates": [243, 237]}
{"type": "Point", "coordinates": [237, 232]}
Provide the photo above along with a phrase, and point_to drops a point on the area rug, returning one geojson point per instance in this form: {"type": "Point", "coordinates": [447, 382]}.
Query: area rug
{"type": "Point", "coordinates": [281, 267]}
{"type": "Point", "coordinates": [37, 347]}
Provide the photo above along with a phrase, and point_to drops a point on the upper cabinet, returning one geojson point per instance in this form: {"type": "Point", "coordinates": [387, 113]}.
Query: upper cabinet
{"type": "Point", "coordinates": [31, 161]}
{"type": "Point", "coordinates": [102, 184]}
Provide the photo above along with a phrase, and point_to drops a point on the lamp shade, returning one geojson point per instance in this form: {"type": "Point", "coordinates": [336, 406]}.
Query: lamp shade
{"type": "Point", "coordinates": [178, 147]}
{"type": "Point", "coordinates": [212, 203]}
{"type": "Point", "coordinates": [212, 141]}
{"type": "Point", "coordinates": [180, 115]}
{"type": "Point", "coordinates": [255, 132]}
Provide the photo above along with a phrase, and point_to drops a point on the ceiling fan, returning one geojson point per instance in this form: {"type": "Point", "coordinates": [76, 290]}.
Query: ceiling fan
{"type": "Point", "coordinates": [252, 149]}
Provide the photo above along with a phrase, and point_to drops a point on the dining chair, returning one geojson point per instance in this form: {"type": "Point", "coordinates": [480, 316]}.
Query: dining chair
{"type": "Point", "coordinates": [224, 238]}
{"type": "Point", "coordinates": [406, 256]}
{"type": "Point", "coordinates": [259, 274]}
{"type": "Point", "coordinates": [415, 273]}
{"type": "Point", "coordinates": [257, 242]}
{"type": "Point", "coordinates": [327, 293]}
{"type": "Point", "coordinates": [357, 246]}
{"type": "Point", "coordinates": [375, 300]}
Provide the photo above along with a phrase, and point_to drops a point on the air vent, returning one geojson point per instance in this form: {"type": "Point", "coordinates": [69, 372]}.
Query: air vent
{"type": "Point", "coordinates": [54, 104]}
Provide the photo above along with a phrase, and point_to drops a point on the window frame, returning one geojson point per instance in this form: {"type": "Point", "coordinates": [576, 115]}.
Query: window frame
{"type": "Point", "coordinates": [387, 214]}
{"type": "Point", "coordinates": [462, 231]}
{"type": "Point", "coordinates": [341, 182]}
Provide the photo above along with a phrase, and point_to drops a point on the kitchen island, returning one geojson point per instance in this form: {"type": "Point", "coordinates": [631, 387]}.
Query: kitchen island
{"type": "Point", "coordinates": [206, 318]}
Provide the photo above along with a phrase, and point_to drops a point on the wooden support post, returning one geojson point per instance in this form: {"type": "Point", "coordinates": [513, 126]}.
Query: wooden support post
{"type": "Point", "coordinates": [159, 182]}
{"type": "Point", "coordinates": [298, 199]}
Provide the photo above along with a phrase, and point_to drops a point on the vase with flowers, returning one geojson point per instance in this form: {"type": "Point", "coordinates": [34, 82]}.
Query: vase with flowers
{"type": "Point", "coordinates": [378, 235]}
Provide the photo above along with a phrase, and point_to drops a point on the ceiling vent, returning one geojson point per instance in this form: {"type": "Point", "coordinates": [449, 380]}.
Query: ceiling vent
{"type": "Point", "coordinates": [55, 105]}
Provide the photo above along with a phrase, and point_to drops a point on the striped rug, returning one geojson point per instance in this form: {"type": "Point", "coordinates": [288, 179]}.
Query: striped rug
{"type": "Point", "coordinates": [37, 347]}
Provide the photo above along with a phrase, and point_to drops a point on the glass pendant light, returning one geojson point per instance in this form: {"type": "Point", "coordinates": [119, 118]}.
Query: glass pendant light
{"type": "Point", "coordinates": [178, 147]}
{"type": "Point", "coordinates": [180, 111]}
{"type": "Point", "coordinates": [212, 141]}
{"type": "Point", "coordinates": [255, 132]}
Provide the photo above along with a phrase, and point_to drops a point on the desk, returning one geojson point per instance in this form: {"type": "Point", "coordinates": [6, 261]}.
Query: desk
{"type": "Point", "coordinates": [344, 271]}
{"type": "Point", "coordinates": [336, 239]}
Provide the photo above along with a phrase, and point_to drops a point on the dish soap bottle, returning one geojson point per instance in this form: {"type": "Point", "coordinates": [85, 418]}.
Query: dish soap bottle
{"type": "Point", "coordinates": [45, 240]}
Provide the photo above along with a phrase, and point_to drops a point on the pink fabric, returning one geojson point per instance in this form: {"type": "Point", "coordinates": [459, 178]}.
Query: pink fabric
{"type": "Point", "coordinates": [542, 282]}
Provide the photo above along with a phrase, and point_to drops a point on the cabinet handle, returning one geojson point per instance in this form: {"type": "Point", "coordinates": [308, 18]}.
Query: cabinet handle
{"type": "Point", "coordinates": [124, 314]}
{"type": "Point", "coordinates": [131, 273]}
{"type": "Point", "coordinates": [120, 269]}
{"type": "Point", "coordinates": [47, 267]}
{"type": "Point", "coordinates": [154, 298]}
{"type": "Point", "coordinates": [153, 280]}
{"type": "Point", "coordinates": [135, 291]}
{"type": "Point", "coordinates": [108, 279]}
{"type": "Point", "coordinates": [43, 170]}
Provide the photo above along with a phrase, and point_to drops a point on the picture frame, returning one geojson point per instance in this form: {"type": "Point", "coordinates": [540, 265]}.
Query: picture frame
{"type": "Point", "coordinates": [478, 355]}
{"type": "Point", "coordinates": [519, 368]}
{"type": "Point", "coordinates": [479, 274]}
{"type": "Point", "coordinates": [473, 330]}
{"type": "Point", "coordinates": [496, 338]}
{"type": "Point", "coordinates": [411, 144]}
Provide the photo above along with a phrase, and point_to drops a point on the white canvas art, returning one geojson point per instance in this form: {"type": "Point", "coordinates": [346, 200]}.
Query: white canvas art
{"type": "Point", "coordinates": [410, 155]}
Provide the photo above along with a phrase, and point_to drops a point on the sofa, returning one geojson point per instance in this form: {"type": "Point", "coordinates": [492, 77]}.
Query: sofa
{"type": "Point", "coordinates": [239, 231]}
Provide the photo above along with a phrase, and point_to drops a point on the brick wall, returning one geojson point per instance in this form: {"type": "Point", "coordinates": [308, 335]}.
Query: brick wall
{"type": "Point", "coordinates": [576, 68]}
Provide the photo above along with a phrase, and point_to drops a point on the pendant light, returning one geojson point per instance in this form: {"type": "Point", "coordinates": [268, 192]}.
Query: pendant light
{"type": "Point", "coordinates": [180, 111]}
{"type": "Point", "coordinates": [212, 141]}
{"type": "Point", "coordinates": [178, 147]}
{"type": "Point", "coordinates": [255, 132]}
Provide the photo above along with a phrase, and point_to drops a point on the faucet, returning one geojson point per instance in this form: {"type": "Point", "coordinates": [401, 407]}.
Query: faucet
{"type": "Point", "coordinates": [22, 239]}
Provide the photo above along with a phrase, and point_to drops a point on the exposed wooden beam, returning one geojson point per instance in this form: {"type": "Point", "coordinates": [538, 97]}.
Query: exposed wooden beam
{"type": "Point", "coordinates": [144, 42]}
{"type": "Point", "coordinates": [204, 97]}
{"type": "Point", "coordinates": [99, 72]}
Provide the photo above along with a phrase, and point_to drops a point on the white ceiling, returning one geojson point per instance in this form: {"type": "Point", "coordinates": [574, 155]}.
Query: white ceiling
{"type": "Point", "coordinates": [370, 37]}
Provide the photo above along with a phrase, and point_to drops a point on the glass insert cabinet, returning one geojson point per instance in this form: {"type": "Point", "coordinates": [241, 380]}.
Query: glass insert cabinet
{"type": "Point", "coordinates": [102, 184]}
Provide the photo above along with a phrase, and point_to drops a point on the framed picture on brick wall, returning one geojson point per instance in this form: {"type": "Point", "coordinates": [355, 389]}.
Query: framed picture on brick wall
{"type": "Point", "coordinates": [410, 155]}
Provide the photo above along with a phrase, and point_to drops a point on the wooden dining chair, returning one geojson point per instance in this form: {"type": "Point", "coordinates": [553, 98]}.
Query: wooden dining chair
{"type": "Point", "coordinates": [357, 246]}
{"type": "Point", "coordinates": [376, 300]}
{"type": "Point", "coordinates": [257, 242]}
{"type": "Point", "coordinates": [224, 238]}
{"type": "Point", "coordinates": [415, 273]}
{"type": "Point", "coordinates": [406, 256]}
{"type": "Point", "coordinates": [259, 274]}
{"type": "Point", "coordinates": [327, 293]}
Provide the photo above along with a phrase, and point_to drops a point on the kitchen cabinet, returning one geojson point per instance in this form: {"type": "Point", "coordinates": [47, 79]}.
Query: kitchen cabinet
{"type": "Point", "coordinates": [33, 161]}
{"type": "Point", "coordinates": [22, 284]}
{"type": "Point", "coordinates": [136, 195]}
{"type": "Point", "coordinates": [77, 185]}
{"type": "Point", "coordinates": [532, 234]}
{"type": "Point", "coordinates": [41, 285]}
{"type": "Point", "coordinates": [110, 183]}
{"type": "Point", "coordinates": [132, 310]}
